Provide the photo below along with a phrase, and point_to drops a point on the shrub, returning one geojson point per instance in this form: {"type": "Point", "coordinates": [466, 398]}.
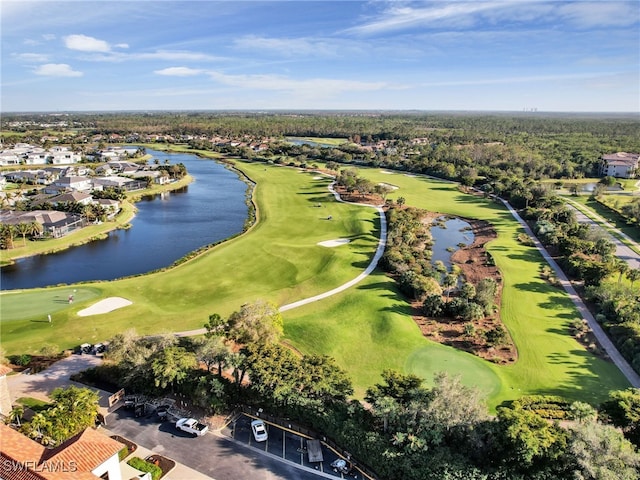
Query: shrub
{"type": "Point", "coordinates": [144, 466]}
{"type": "Point", "coordinates": [22, 360]}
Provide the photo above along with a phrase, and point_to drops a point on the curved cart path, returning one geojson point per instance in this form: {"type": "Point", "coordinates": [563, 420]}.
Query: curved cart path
{"type": "Point", "coordinates": [382, 242]}
{"type": "Point", "coordinates": [601, 336]}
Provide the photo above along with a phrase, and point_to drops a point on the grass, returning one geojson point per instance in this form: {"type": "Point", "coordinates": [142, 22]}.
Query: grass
{"type": "Point", "coordinates": [279, 261]}
{"type": "Point", "coordinates": [33, 404]}
{"type": "Point", "coordinates": [610, 215]}
{"type": "Point", "coordinates": [367, 328]}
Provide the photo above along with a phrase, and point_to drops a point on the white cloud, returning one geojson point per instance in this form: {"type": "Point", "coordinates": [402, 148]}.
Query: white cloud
{"type": "Point", "coordinates": [85, 43]}
{"type": "Point", "coordinates": [178, 72]}
{"type": "Point", "coordinates": [122, 45]}
{"type": "Point", "coordinates": [315, 86]}
{"type": "Point", "coordinates": [48, 36]}
{"type": "Point", "coordinates": [290, 46]}
{"type": "Point", "coordinates": [57, 70]}
{"type": "Point", "coordinates": [30, 57]}
{"type": "Point", "coordinates": [167, 55]}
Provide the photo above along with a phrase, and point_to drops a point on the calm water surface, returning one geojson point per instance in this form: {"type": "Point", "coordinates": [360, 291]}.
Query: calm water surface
{"type": "Point", "coordinates": [456, 231]}
{"type": "Point", "coordinates": [166, 227]}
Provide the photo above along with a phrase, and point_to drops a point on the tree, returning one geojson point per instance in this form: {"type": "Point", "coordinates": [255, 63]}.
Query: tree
{"type": "Point", "coordinates": [602, 453]}
{"type": "Point", "coordinates": [396, 385]}
{"type": "Point", "coordinates": [257, 322]}
{"type": "Point", "coordinates": [623, 410]}
{"type": "Point", "coordinates": [72, 410]}
{"type": "Point", "coordinates": [528, 437]}
{"type": "Point", "coordinates": [212, 351]}
{"type": "Point", "coordinates": [633, 274]}
{"type": "Point", "coordinates": [215, 326]}
{"type": "Point", "coordinates": [172, 365]}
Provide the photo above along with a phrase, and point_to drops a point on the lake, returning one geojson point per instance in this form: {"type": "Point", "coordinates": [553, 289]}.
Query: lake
{"type": "Point", "coordinates": [166, 227]}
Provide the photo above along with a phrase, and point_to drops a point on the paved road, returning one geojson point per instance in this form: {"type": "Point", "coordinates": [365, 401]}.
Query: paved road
{"type": "Point", "coordinates": [622, 250]}
{"type": "Point", "coordinates": [603, 339]}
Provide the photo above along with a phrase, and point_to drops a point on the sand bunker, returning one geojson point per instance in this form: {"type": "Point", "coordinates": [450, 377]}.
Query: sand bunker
{"type": "Point", "coordinates": [388, 173]}
{"type": "Point", "coordinates": [317, 178]}
{"type": "Point", "coordinates": [388, 185]}
{"type": "Point", "coordinates": [334, 243]}
{"type": "Point", "coordinates": [105, 306]}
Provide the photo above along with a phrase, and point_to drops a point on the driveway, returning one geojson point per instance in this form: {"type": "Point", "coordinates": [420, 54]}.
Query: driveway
{"type": "Point", "coordinates": [213, 454]}
{"type": "Point", "coordinates": [40, 385]}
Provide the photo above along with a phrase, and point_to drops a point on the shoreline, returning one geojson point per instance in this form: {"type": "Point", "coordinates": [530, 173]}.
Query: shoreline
{"type": "Point", "coordinates": [127, 213]}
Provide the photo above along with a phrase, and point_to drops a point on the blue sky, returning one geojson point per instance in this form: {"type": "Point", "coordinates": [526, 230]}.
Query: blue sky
{"type": "Point", "coordinates": [399, 55]}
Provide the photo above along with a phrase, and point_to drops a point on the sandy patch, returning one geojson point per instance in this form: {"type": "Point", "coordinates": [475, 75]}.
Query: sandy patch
{"type": "Point", "coordinates": [388, 185]}
{"type": "Point", "coordinates": [386, 172]}
{"type": "Point", "coordinates": [105, 306]}
{"type": "Point", "coordinates": [317, 177]}
{"type": "Point", "coordinates": [334, 243]}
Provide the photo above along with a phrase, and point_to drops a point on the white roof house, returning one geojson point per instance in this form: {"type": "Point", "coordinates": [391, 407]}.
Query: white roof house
{"type": "Point", "coordinates": [620, 165]}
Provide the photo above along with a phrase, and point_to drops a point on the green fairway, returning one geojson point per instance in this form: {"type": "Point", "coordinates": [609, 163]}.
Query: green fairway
{"type": "Point", "coordinates": [367, 328]}
{"type": "Point", "coordinates": [537, 314]}
{"type": "Point", "coordinates": [278, 260]}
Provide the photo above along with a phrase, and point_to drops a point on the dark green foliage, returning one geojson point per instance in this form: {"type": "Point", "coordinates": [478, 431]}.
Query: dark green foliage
{"type": "Point", "coordinates": [144, 466]}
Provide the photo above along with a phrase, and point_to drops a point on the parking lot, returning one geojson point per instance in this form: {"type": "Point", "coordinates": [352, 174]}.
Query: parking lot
{"type": "Point", "coordinates": [218, 456]}
{"type": "Point", "coordinates": [286, 444]}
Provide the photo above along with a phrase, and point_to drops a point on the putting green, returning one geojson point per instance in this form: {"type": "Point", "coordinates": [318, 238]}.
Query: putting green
{"type": "Point", "coordinates": [434, 358]}
{"type": "Point", "coordinates": [40, 303]}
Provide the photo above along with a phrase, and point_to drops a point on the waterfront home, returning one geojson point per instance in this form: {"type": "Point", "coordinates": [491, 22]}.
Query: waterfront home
{"type": "Point", "coordinates": [54, 224]}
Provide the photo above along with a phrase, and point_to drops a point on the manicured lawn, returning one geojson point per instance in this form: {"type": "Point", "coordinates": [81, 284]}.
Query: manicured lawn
{"type": "Point", "coordinates": [366, 328]}
{"type": "Point", "coordinates": [279, 261]}
{"type": "Point", "coordinates": [537, 315]}
{"type": "Point", "coordinates": [613, 217]}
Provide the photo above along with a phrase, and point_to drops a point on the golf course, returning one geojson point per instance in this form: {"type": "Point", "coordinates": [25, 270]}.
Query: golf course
{"type": "Point", "coordinates": [367, 328]}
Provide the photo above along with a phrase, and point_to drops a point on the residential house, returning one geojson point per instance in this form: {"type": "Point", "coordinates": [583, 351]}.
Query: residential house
{"type": "Point", "coordinates": [158, 177]}
{"type": "Point", "coordinates": [127, 184]}
{"type": "Point", "coordinates": [55, 224]}
{"type": "Point", "coordinates": [111, 206]}
{"type": "Point", "coordinates": [86, 456]}
{"type": "Point", "coordinates": [7, 159]}
{"type": "Point", "coordinates": [81, 184]}
{"type": "Point", "coordinates": [620, 165]}
{"type": "Point", "coordinates": [72, 197]}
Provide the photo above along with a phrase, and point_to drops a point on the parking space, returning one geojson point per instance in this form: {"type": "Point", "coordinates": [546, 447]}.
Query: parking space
{"type": "Point", "coordinates": [288, 445]}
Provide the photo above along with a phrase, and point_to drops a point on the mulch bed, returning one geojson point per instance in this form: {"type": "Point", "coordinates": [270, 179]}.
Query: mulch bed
{"type": "Point", "coordinates": [165, 464]}
{"type": "Point", "coordinates": [131, 447]}
{"type": "Point", "coordinates": [474, 263]}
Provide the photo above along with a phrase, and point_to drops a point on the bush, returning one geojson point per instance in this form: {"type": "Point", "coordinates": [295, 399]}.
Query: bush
{"type": "Point", "coordinates": [21, 360]}
{"type": "Point", "coordinates": [144, 466]}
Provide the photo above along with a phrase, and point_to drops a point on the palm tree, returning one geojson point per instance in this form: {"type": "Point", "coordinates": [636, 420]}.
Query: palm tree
{"type": "Point", "coordinates": [633, 274]}
{"type": "Point", "coordinates": [25, 229]}
{"type": "Point", "coordinates": [621, 267]}
{"type": "Point", "coordinates": [16, 414]}
{"type": "Point", "coordinates": [7, 232]}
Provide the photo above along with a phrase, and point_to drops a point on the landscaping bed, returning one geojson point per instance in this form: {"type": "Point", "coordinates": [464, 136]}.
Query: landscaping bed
{"type": "Point", "coordinates": [163, 463]}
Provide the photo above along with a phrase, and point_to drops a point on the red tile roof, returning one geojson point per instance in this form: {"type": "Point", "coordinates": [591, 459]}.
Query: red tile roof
{"type": "Point", "coordinates": [24, 459]}
{"type": "Point", "coordinates": [4, 370]}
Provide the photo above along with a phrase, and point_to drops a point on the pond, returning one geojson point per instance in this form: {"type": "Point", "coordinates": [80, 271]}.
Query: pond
{"type": "Point", "coordinates": [166, 227]}
{"type": "Point", "coordinates": [448, 233]}
{"type": "Point", "coordinates": [311, 143]}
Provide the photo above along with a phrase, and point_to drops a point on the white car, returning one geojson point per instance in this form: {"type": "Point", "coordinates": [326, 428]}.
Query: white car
{"type": "Point", "coordinates": [259, 430]}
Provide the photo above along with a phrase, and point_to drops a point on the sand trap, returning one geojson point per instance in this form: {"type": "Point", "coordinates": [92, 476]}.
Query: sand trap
{"type": "Point", "coordinates": [317, 178]}
{"type": "Point", "coordinates": [334, 243]}
{"type": "Point", "coordinates": [105, 306]}
{"type": "Point", "coordinates": [384, 171]}
{"type": "Point", "coordinates": [392, 187]}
